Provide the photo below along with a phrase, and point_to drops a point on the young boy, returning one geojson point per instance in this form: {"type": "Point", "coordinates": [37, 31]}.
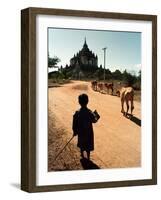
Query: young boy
{"type": "Point", "coordinates": [82, 126]}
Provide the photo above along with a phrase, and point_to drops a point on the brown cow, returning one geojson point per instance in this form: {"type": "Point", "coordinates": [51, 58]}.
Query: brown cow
{"type": "Point", "coordinates": [126, 94]}
{"type": "Point", "coordinates": [100, 87]}
{"type": "Point", "coordinates": [109, 86]}
{"type": "Point", "coordinates": [94, 85]}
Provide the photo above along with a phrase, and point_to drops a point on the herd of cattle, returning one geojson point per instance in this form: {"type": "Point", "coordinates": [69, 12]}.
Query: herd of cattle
{"type": "Point", "coordinates": [101, 87]}
{"type": "Point", "coordinates": [126, 94]}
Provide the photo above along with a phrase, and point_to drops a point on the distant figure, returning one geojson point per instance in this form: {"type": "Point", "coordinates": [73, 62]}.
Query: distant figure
{"type": "Point", "coordinates": [82, 126]}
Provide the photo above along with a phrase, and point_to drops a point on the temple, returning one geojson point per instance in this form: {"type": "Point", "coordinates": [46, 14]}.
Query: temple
{"type": "Point", "coordinates": [85, 59]}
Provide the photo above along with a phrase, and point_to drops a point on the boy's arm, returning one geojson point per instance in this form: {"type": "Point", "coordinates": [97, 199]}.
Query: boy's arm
{"type": "Point", "coordinates": [95, 116]}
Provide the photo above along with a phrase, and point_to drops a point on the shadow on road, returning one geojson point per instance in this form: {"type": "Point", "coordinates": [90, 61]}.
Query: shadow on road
{"type": "Point", "coordinates": [88, 164]}
{"type": "Point", "coordinates": [134, 119]}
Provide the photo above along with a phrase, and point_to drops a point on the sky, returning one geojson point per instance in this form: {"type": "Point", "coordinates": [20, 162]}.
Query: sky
{"type": "Point", "coordinates": [123, 48]}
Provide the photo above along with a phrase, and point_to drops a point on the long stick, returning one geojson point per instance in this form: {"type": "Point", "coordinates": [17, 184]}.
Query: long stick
{"type": "Point", "coordinates": [64, 147]}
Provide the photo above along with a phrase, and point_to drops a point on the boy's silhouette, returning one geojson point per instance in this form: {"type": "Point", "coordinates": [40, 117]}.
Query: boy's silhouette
{"type": "Point", "coordinates": [82, 126]}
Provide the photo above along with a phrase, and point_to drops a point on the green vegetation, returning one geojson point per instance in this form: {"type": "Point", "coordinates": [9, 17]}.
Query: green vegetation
{"type": "Point", "coordinates": [52, 62]}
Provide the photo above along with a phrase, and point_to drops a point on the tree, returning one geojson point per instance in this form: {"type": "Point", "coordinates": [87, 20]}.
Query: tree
{"type": "Point", "coordinates": [129, 78]}
{"type": "Point", "coordinates": [117, 74]}
{"type": "Point", "coordinates": [108, 74]}
{"type": "Point", "coordinates": [139, 76]}
{"type": "Point", "coordinates": [52, 62]}
{"type": "Point", "coordinates": [98, 74]}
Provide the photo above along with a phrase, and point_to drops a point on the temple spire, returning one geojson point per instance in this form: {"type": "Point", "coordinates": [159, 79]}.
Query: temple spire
{"type": "Point", "coordinates": [85, 46]}
{"type": "Point", "coordinates": [85, 40]}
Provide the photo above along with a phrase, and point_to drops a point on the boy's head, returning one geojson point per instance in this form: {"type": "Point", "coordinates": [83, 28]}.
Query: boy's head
{"type": "Point", "coordinates": [83, 99]}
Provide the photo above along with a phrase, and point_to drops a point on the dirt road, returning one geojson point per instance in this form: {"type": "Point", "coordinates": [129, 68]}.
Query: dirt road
{"type": "Point", "coordinates": [117, 139]}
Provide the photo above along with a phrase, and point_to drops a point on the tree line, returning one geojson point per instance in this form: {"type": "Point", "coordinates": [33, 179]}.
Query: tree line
{"type": "Point", "coordinates": [96, 73]}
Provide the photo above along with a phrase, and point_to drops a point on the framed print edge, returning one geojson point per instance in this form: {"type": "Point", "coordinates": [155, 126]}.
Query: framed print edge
{"type": "Point", "coordinates": [154, 99]}
{"type": "Point", "coordinates": [24, 99]}
{"type": "Point", "coordinates": [28, 99]}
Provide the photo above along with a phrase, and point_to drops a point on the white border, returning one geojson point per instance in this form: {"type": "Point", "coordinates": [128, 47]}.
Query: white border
{"type": "Point", "coordinates": [43, 177]}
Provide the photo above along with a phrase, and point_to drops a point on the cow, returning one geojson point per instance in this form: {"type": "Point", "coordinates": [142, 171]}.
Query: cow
{"type": "Point", "coordinates": [118, 93]}
{"type": "Point", "coordinates": [109, 86]}
{"type": "Point", "coordinates": [94, 85]}
{"type": "Point", "coordinates": [127, 95]}
{"type": "Point", "coordinates": [100, 87]}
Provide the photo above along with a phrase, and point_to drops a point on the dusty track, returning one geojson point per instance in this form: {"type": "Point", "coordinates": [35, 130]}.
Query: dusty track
{"type": "Point", "coordinates": [117, 139]}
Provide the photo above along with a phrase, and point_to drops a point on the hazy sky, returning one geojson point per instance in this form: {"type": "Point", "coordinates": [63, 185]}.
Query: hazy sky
{"type": "Point", "coordinates": [123, 48]}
